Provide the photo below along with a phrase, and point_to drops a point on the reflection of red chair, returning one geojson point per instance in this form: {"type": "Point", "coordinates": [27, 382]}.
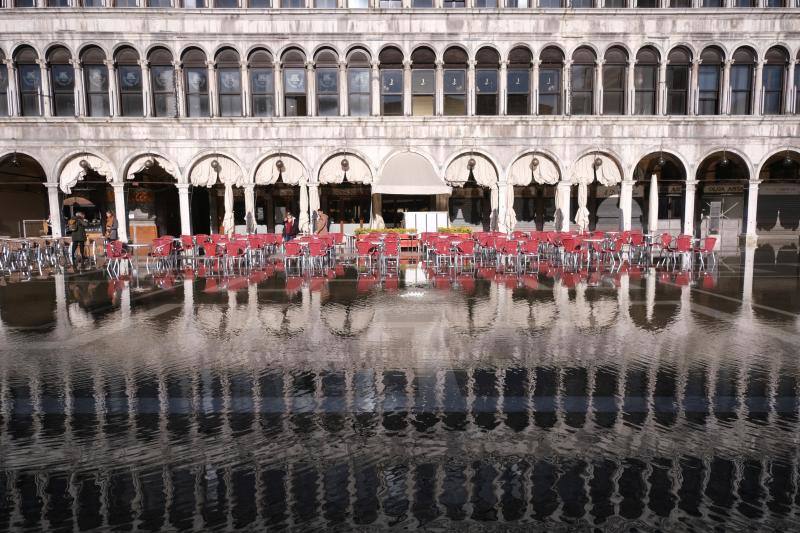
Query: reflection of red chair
{"type": "Point", "coordinates": [465, 251]}
{"type": "Point", "coordinates": [258, 276]}
{"type": "Point", "coordinates": [441, 281]}
{"type": "Point", "coordinates": [708, 281]}
{"type": "Point", "coordinates": [530, 281]}
{"type": "Point", "coordinates": [317, 253]}
{"type": "Point", "coordinates": [211, 285]}
{"type": "Point", "coordinates": [467, 283]}
{"type": "Point", "coordinates": [317, 283]}
{"type": "Point", "coordinates": [115, 254]}
{"type": "Point", "coordinates": [237, 284]}
{"type": "Point", "coordinates": [570, 280]}
{"type": "Point", "coordinates": [366, 283]}
{"type": "Point", "coordinates": [390, 254]}
{"type": "Point", "coordinates": [391, 283]}
{"type": "Point", "coordinates": [293, 284]}
{"type": "Point", "coordinates": [683, 279]}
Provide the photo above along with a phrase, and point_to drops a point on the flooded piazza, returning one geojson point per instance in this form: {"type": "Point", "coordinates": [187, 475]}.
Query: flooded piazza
{"type": "Point", "coordinates": [643, 399]}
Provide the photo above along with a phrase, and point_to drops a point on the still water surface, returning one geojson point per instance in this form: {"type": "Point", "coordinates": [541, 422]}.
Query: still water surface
{"type": "Point", "coordinates": [642, 400]}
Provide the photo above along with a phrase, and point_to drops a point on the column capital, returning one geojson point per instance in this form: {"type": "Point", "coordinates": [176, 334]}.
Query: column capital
{"type": "Point", "coordinates": [183, 186]}
{"type": "Point", "coordinates": [754, 183]}
{"type": "Point", "coordinates": [692, 183]}
{"type": "Point", "coordinates": [50, 185]}
{"type": "Point", "coordinates": [342, 64]}
{"type": "Point", "coordinates": [117, 186]}
{"type": "Point", "coordinates": [439, 64]}
{"type": "Point", "coordinates": [110, 64]}
{"type": "Point", "coordinates": [407, 64]}
{"type": "Point", "coordinates": [76, 63]}
{"type": "Point", "coordinates": [144, 63]}
{"type": "Point", "coordinates": [249, 186]}
{"type": "Point", "coordinates": [43, 63]}
{"type": "Point", "coordinates": [697, 61]}
{"type": "Point", "coordinates": [375, 64]}
{"type": "Point", "coordinates": [211, 64]}
{"type": "Point", "coordinates": [309, 65]}
{"type": "Point", "coordinates": [471, 64]}
{"type": "Point", "coordinates": [503, 64]}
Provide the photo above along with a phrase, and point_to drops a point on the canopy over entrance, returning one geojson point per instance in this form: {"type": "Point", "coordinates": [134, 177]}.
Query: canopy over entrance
{"type": "Point", "coordinates": [409, 173]}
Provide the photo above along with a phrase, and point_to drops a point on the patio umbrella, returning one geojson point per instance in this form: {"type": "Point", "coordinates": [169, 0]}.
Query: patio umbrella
{"type": "Point", "coordinates": [303, 217]}
{"type": "Point", "coordinates": [559, 216]}
{"type": "Point", "coordinates": [582, 216]}
{"type": "Point", "coordinates": [78, 201]}
{"type": "Point", "coordinates": [652, 209]}
{"type": "Point", "coordinates": [227, 220]}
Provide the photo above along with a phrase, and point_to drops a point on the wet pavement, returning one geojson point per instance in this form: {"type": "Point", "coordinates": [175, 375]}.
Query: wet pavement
{"type": "Point", "coordinates": [641, 399]}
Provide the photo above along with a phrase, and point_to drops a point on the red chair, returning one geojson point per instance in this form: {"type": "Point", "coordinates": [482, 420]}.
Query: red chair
{"type": "Point", "coordinates": [235, 253]}
{"type": "Point", "coordinates": [366, 283]}
{"type": "Point", "coordinates": [528, 251]}
{"type": "Point", "coordinates": [317, 254]}
{"type": "Point", "coordinates": [390, 254]}
{"type": "Point", "coordinates": [683, 247]}
{"type": "Point", "coordinates": [706, 250]}
{"type": "Point", "coordinates": [292, 251]}
{"type": "Point", "coordinates": [365, 251]}
{"type": "Point", "coordinates": [507, 252]}
{"type": "Point", "coordinates": [465, 251]}
{"type": "Point", "coordinates": [212, 252]}
{"type": "Point", "coordinates": [161, 253]}
{"type": "Point", "coordinates": [442, 252]}
{"type": "Point", "coordinates": [571, 251]}
{"type": "Point", "coordinates": [293, 284]}
{"type": "Point", "coordinates": [116, 254]}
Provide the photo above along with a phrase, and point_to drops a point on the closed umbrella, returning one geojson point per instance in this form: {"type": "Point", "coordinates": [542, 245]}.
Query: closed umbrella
{"type": "Point", "coordinates": [652, 209]}
{"type": "Point", "coordinates": [559, 215]}
{"type": "Point", "coordinates": [227, 220]}
{"type": "Point", "coordinates": [304, 220]}
{"type": "Point", "coordinates": [582, 216]}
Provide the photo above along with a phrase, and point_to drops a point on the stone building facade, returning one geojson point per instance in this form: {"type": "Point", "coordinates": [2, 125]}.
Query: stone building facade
{"type": "Point", "coordinates": [497, 114]}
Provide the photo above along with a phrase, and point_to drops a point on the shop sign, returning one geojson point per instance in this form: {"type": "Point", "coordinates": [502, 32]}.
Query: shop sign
{"type": "Point", "coordinates": [723, 188]}
{"type": "Point", "coordinates": [779, 189]}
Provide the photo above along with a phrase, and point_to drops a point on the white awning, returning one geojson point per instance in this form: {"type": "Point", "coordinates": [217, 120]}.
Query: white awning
{"type": "Point", "coordinates": [409, 173]}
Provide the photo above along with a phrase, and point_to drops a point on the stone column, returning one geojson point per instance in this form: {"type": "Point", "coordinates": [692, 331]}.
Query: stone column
{"type": "Point", "coordinates": [626, 203]}
{"type": "Point", "coordinates": [535, 88]}
{"type": "Point", "coordinates": [114, 107]}
{"type": "Point", "coordinates": [567, 90]}
{"type": "Point", "coordinates": [121, 210]}
{"type": "Point", "coordinates": [213, 90]}
{"type": "Point", "coordinates": [54, 203]}
{"type": "Point", "coordinates": [564, 190]}
{"type": "Point", "coordinates": [250, 201]}
{"type": "Point", "coordinates": [694, 88]}
{"type": "Point", "coordinates": [311, 90]}
{"type": "Point", "coordinates": [277, 75]}
{"type": "Point", "coordinates": [375, 85]}
{"type": "Point", "coordinates": [751, 237]}
{"type": "Point", "coordinates": [246, 101]}
{"type": "Point", "coordinates": [788, 106]}
{"type": "Point", "coordinates": [598, 87]}
{"type": "Point", "coordinates": [502, 88]}
{"type": "Point", "coordinates": [180, 96]}
{"type": "Point", "coordinates": [344, 104]}
{"type": "Point", "coordinates": [747, 281]}
{"type": "Point", "coordinates": [688, 207]}
{"type": "Point", "coordinates": [630, 88]}
{"type": "Point", "coordinates": [471, 87]}
{"type": "Point", "coordinates": [758, 104]}
{"type": "Point", "coordinates": [146, 87]}
{"type": "Point", "coordinates": [183, 204]}
{"type": "Point", "coordinates": [725, 108]}
{"type": "Point", "coordinates": [438, 98]}
{"type": "Point", "coordinates": [45, 102]}
{"type": "Point", "coordinates": [661, 96]}
{"type": "Point", "coordinates": [407, 88]}
{"type": "Point", "coordinates": [80, 99]}
{"type": "Point", "coordinates": [13, 99]}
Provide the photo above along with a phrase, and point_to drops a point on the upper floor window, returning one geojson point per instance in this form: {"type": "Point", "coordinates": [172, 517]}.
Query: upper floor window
{"type": "Point", "coordinates": [421, 3]}
{"type": "Point", "coordinates": [259, 4]}
{"type": "Point", "coordinates": [358, 83]}
{"type": "Point", "coordinates": [678, 67]}
{"type": "Point", "coordinates": [294, 83]}
{"type": "Point", "coordinates": [262, 83]}
{"type": "Point", "coordinates": [485, 3]}
{"type": "Point", "coordinates": [520, 3]}
{"type": "Point", "coordinates": [650, 4]}
{"type": "Point", "coordinates": [713, 3]}
{"type": "Point", "coordinates": [486, 93]}
{"type": "Point", "coordinates": [455, 81]}
{"type": "Point", "coordinates": [62, 81]}
{"type": "Point", "coordinates": [57, 3]}
{"type": "Point", "coordinates": [29, 81]}
{"type": "Point", "coordinates": [162, 83]}
{"type": "Point", "coordinates": [195, 73]}
{"type": "Point", "coordinates": [582, 3]}
{"type": "Point", "coordinates": [552, 3]}
{"type": "Point", "coordinates": [159, 3]}
{"type": "Point", "coordinates": [797, 86]}
{"type": "Point", "coordinates": [326, 4]}
{"type": "Point", "coordinates": [774, 76]}
{"type": "Point", "coordinates": [327, 73]}
{"type": "Point", "coordinates": [745, 3]}
{"type": "Point", "coordinates": [24, 3]}
{"type": "Point", "coordinates": [615, 3]}
{"type": "Point", "coordinates": [194, 4]}
{"type": "Point", "coordinates": [226, 3]}
{"type": "Point", "coordinates": [776, 3]}
{"type": "Point", "coordinates": [742, 81]}
{"type": "Point", "coordinates": [129, 81]}
{"type": "Point", "coordinates": [391, 4]}
{"type": "Point", "coordinates": [582, 81]}
{"type": "Point", "coordinates": [645, 80]}
{"type": "Point", "coordinates": [126, 3]}
{"type": "Point", "coordinates": [709, 81]}
{"type": "Point", "coordinates": [358, 4]}
{"type": "Point", "coordinates": [229, 82]}
{"type": "Point", "coordinates": [550, 72]}
{"type": "Point", "coordinates": [95, 81]}
{"type": "Point", "coordinates": [4, 104]}
{"type": "Point", "coordinates": [680, 3]}
{"type": "Point", "coordinates": [423, 85]}
{"type": "Point", "coordinates": [615, 71]}
{"type": "Point", "coordinates": [518, 81]}
{"type": "Point", "coordinates": [391, 66]}
{"type": "Point", "coordinates": [453, 3]}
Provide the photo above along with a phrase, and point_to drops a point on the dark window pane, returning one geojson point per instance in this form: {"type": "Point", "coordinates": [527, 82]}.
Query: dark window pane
{"type": "Point", "coordinates": [3, 90]}
{"type": "Point", "coordinates": [327, 81]}
{"type": "Point", "coordinates": [613, 103]}
{"type": "Point", "coordinates": [613, 78]}
{"type": "Point", "coordinates": [645, 103]}
{"type": "Point", "coordinates": [263, 105]}
{"type": "Point", "coordinates": [130, 87]}
{"type": "Point", "coordinates": [294, 81]}
{"type": "Point", "coordinates": [392, 81]}
{"type": "Point", "coordinates": [518, 104]}
{"type": "Point", "coordinates": [422, 3]}
{"type": "Point", "coordinates": [582, 3]}
{"type": "Point", "coordinates": [29, 86]}
{"type": "Point", "coordinates": [159, 3]}
{"type": "Point", "coordinates": [680, 3]}
{"type": "Point", "coordinates": [486, 81]}
{"type": "Point", "coordinates": [549, 3]}
{"type": "Point", "coordinates": [582, 103]}
{"type": "Point", "coordinates": [455, 82]}
{"type": "Point", "coordinates": [455, 104]}
{"type": "Point", "coordinates": [359, 105]}
{"type": "Point", "coordinates": [96, 80]}
{"type": "Point", "coordinates": [358, 86]}
{"type": "Point", "coordinates": [582, 77]}
{"type": "Point", "coordinates": [615, 3]}
{"type": "Point", "coordinates": [325, 4]}
{"type": "Point", "coordinates": [422, 81]}
{"type": "Point", "coordinates": [131, 105]}
{"type": "Point", "coordinates": [328, 105]}
{"type": "Point", "coordinates": [486, 104]}
{"type": "Point", "coordinates": [261, 81]}
{"type": "Point", "coordinates": [293, 3]}
{"type": "Point", "coordinates": [647, 3]}
{"type": "Point", "coordinates": [392, 105]}
{"type": "Point", "coordinates": [712, 3]}
{"type": "Point", "coordinates": [295, 106]}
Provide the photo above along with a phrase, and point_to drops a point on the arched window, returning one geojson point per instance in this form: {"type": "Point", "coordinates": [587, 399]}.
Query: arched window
{"type": "Point", "coordinates": [358, 83]}
{"type": "Point", "coordinates": [162, 83]}
{"type": "Point", "coordinates": [615, 71]}
{"type": "Point", "coordinates": [391, 66]}
{"type": "Point", "coordinates": [581, 4]}
{"type": "Point", "coordinates": [29, 81]}
{"type": "Point", "coordinates": [678, 65]}
{"type": "Point", "coordinates": [518, 81]}
{"type": "Point", "coordinates": [126, 3]}
{"type": "Point", "coordinates": [160, 3]}
{"type": "Point", "coordinates": [713, 3]}
{"type": "Point", "coordinates": [551, 3]}
{"type": "Point", "coordinates": [680, 3]}
{"type": "Point", "coordinates": [262, 83]}
{"type": "Point", "coordinates": [487, 62]}
{"type": "Point", "coordinates": [421, 3]}
{"type": "Point", "coordinates": [485, 3]}
{"type": "Point", "coordinates": [57, 3]}
{"type": "Point", "coordinates": [62, 81]}
{"type": "Point", "coordinates": [797, 85]}
{"type": "Point", "coordinates": [4, 105]}
{"type": "Point", "coordinates": [709, 81]}
{"type": "Point", "coordinates": [582, 81]}
{"type": "Point", "coordinates": [95, 81]}
{"type": "Point", "coordinates": [423, 86]}
{"type": "Point", "coordinates": [455, 84]}
{"type": "Point", "coordinates": [259, 3]}
{"type": "Point", "coordinates": [650, 4]}
{"type": "Point", "coordinates": [193, 4]}
{"type": "Point", "coordinates": [615, 3]}
{"type": "Point", "coordinates": [129, 81]}
{"type": "Point", "coordinates": [745, 3]}
{"type": "Point", "coordinates": [325, 4]}
{"type": "Point", "coordinates": [777, 61]}
{"type": "Point", "coordinates": [226, 3]}
{"type": "Point", "coordinates": [550, 70]}
{"type": "Point", "coordinates": [294, 83]}
{"type": "Point", "coordinates": [776, 3]}
{"type": "Point", "coordinates": [326, 64]}
{"type": "Point", "coordinates": [195, 73]}
{"type": "Point", "coordinates": [645, 81]}
{"type": "Point", "coordinates": [293, 3]}
{"type": "Point", "coordinates": [742, 81]}
{"type": "Point", "coordinates": [229, 83]}
{"type": "Point", "coordinates": [24, 3]}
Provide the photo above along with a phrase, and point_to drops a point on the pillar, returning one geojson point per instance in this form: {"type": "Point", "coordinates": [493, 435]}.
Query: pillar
{"type": "Point", "coordinates": [503, 209]}
{"type": "Point", "coordinates": [747, 281]}
{"type": "Point", "coordinates": [146, 86]}
{"type": "Point", "coordinates": [213, 90]}
{"type": "Point", "coordinates": [344, 104]}
{"type": "Point", "coordinates": [80, 100]}
{"type": "Point", "coordinates": [535, 88]}
{"type": "Point", "coordinates": [54, 203]}
{"type": "Point", "coordinates": [598, 87]}
{"type": "Point", "coordinates": [630, 89]}
{"type": "Point", "coordinates": [694, 93]}
{"type": "Point", "coordinates": [250, 202]}
{"type": "Point", "coordinates": [626, 203]}
{"type": "Point", "coordinates": [311, 90]}
{"type": "Point", "coordinates": [788, 106]}
{"type": "Point", "coordinates": [725, 107]}
{"type": "Point", "coordinates": [502, 88]}
{"type": "Point", "coordinates": [759, 86]}
{"type": "Point", "coordinates": [180, 96]}
{"type": "Point", "coordinates": [661, 97]}
{"type": "Point", "coordinates": [245, 84]}
{"type": "Point", "coordinates": [564, 190]}
{"type": "Point", "coordinates": [688, 207]}
{"type": "Point", "coordinates": [183, 204]}
{"type": "Point", "coordinates": [471, 87]}
{"type": "Point", "coordinates": [121, 211]}
{"type": "Point", "coordinates": [45, 100]}
{"type": "Point", "coordinates": [438, 94]}
{"type": "Point", "coordinates": [567, 81]}
{"type": "Point", "coordinates": [13, 99]}
{"type": "Point", "coordinates": [277, 77]}
{"type": "Point", "coordinates": [114, 108]}
{"type": "Point", "coordinates": [375, 84]}
{"type": "Point", "coordinates": [407, 88]}
{"type": "Point", "coordinates": [752, 209]}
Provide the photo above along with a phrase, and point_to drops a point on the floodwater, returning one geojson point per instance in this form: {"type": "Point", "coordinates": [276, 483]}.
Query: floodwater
{"type": "Point", "coordinates": [637, 400]}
